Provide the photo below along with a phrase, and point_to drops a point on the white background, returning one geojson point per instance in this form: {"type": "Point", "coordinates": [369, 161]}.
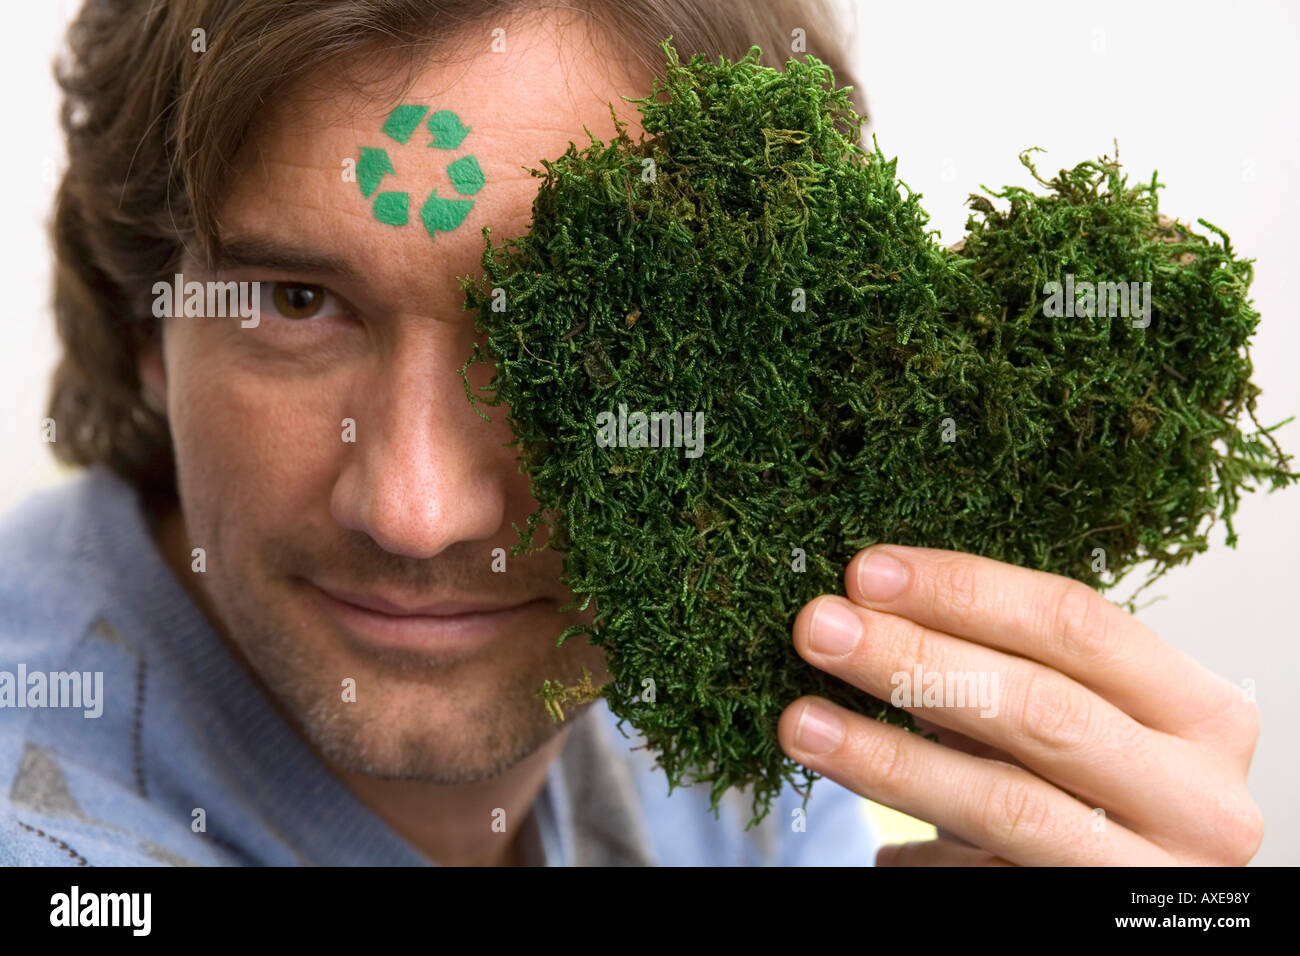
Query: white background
{"type": "Point", "coordinates": [1207, 93]}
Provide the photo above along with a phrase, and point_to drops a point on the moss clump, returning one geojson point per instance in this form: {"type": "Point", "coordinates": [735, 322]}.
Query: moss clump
{"type": "Point", "coordinates": [858, 384]}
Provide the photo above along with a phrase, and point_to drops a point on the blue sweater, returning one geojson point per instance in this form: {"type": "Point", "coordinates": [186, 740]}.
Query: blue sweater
{"type": "Point", "coordinates": [178, 758]}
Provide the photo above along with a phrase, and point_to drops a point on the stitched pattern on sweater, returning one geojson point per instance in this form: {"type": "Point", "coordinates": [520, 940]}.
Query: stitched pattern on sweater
{"type": "Point", "coordinates": [81, 860]}
{"type": "Point", "coordinates": [137, 728]}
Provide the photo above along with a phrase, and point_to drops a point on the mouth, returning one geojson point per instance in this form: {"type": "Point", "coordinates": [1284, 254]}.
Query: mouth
{"type": "Point", "coordinates": [455, 624]}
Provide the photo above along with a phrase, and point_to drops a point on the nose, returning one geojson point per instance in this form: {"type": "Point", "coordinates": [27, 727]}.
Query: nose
{"type": "Point", "coordinates": [423, 472]}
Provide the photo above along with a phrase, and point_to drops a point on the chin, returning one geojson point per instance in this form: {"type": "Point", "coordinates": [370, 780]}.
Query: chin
{"type": "Point", "coordinates": [413, 732]}
{"type": "Point", "coordinates": [401, 715]}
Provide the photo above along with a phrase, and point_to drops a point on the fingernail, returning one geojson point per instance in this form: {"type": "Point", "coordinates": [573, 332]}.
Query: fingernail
{"type": "Point", "coordinates": [881, 577]}
{"type": "Point", "coordinates": [819, 730]}
{"type": "Point", "coordinates": [835, 629]}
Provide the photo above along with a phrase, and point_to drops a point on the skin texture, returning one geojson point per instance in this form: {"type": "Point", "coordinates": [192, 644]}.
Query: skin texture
{"type": "Point", "coordinates": [1096, 710]}
{"type": "Point", "coordinates": [415, 506]}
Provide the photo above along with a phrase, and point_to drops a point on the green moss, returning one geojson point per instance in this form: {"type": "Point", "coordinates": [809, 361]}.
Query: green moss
{"type": "Point", "coordinates": [922, 396]}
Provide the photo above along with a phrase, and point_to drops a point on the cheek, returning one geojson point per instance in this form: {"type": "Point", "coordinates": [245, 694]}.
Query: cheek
{"type": "Point", "coordinates": [252, 447]}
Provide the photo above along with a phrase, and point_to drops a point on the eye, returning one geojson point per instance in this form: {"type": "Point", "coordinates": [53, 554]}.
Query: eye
{"type": "Point", "coordinates": [298, 300]}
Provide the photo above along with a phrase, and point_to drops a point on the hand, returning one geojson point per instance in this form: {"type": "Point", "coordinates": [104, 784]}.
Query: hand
{"type": "Point", "coordinates": [1093, 710]}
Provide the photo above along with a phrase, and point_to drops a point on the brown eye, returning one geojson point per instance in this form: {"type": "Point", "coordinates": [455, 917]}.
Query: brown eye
{"type": "Point", "coordinates": [297, 300]}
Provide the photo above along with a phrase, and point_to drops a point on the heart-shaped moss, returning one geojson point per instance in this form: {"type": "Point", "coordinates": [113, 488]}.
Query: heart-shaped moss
{"type": "Point", "coordinates": [748, 263]}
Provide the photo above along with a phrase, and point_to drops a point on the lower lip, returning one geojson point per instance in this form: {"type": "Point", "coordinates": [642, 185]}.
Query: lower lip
{"type": "Point", "coordinates": [457, 633]}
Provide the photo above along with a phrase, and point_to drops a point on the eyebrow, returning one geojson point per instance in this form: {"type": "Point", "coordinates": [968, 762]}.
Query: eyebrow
{"type": "Point", "coordinates": [266, 253]}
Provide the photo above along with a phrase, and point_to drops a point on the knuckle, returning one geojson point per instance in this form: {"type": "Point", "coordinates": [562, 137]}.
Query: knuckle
{"type": "Point", "coordinates": [1238, 728]}
{"type": "Point", "coordinates": [1229, 720]}
{"type": "Point", "coordinates": [886, 762]}
{"type": "Point", "coordinates": [1239, 826]}
{"type": "Point", "coordinates": [1056, 716]}
{"type": "Point", "coordinates": [911, 645]}
{"type": "Point", "coordinates": [1249, 723]}
{"type": "Point", "coordinates": [1014, 811]}
{"type": "Point", "coordinates": [1252, 834]}
{"type": "Point", "coordinates": [1242, 716]}
{"type": "Point", "coordinates": [957, 584]}
{"type": "Point", "coordinates": [1080, 622]}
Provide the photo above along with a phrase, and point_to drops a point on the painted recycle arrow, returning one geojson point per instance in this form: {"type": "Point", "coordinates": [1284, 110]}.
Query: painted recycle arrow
{"type": "Point", "coordinates": [439, 213]}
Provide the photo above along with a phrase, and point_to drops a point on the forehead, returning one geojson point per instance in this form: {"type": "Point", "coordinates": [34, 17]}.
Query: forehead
{"type": "Point", "coordinates": [335, 168]}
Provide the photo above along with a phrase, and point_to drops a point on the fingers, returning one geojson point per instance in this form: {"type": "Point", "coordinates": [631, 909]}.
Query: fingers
{"type": "Point", "coordinates": [1053, 725]}
{"type": "Point", "coordinates": [1007, 810]}
{"type": "Point", "coordinates": [935, 853]}
{"type": "Point", "coordinates": [1047, 618]}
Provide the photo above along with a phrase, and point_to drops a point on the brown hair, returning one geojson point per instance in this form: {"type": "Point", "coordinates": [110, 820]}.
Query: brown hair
{"type": "Point", "coordinates": [154, 129]}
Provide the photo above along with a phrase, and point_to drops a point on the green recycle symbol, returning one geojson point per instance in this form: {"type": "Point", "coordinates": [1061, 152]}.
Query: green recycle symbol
{"type": "Point", "coordinates": [439, 213]}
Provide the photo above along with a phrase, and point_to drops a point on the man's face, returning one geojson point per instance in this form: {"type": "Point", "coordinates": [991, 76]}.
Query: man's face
{"type": "Point", "coordinates": [365, 553]}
